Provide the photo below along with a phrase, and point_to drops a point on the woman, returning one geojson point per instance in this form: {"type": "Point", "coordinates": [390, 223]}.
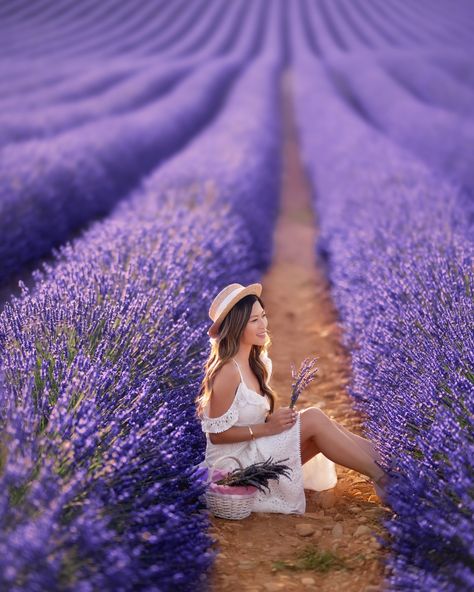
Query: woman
{"type": "Point", "coordinates": [236, 407]}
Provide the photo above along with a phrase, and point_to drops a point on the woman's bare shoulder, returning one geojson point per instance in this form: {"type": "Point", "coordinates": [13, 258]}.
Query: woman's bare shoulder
{"type": "Point", "coordinates": [224, 389]}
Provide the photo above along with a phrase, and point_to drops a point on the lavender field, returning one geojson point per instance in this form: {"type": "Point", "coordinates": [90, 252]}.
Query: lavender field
{"type": "Point", "coordinates": [140, 162]}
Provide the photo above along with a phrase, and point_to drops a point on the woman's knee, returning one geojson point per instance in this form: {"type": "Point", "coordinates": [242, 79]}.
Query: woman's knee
{"type": "Point", "coordinates": [311, 419]}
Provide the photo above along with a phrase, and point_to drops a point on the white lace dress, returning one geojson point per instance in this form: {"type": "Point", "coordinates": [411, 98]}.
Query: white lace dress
{"type": "Point", "coordinates": [286, 495]}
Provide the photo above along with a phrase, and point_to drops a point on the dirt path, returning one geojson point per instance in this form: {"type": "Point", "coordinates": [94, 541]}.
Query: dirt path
{"type": "Point", "coordinates": [255, 552]}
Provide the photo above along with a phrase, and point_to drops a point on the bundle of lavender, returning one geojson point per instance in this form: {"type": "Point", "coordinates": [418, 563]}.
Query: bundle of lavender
{"type": "Point", "coordinates": [257, 474]}
{"type": "Point", "coordinates": [305, 375]}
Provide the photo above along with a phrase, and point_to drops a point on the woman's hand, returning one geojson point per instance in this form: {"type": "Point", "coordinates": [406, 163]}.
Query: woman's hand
{"type": "Point", "coordinates": [280, 420]}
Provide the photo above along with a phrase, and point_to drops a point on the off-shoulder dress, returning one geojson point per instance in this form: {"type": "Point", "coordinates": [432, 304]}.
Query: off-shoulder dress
{"type": "Point", "coordinates": [286, 495]}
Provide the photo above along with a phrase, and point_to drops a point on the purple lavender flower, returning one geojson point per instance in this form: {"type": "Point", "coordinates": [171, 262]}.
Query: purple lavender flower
{"type": "Point", "coordinates": [301, 379]}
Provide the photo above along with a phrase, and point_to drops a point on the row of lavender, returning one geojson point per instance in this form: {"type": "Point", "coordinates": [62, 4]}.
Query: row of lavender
{"type": "Point", "coordinates": [399, 250]}
{"type": "Point", "coordinates": [102, 360]}
{"type": "Point", "coordinates": [334, 28]}
{"type": "Point", "coordinates": [76, 76]}
{"type": "Point", "coordinates": [443, 138]}
{"type": "Point", "coordinates": [130, 80]}
{"type": "Point", "coordinates": [201, 29]}
{"type": "Point", "coordinates": [211, 27]}
{"type": "Point", "coordinates": [343, 27]}
{"type": "Point", "coordinates": [52, 186]}
{"type": "Point", "coordinates": [75, 147]}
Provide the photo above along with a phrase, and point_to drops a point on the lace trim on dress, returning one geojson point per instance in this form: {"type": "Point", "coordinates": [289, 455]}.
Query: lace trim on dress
{"type": "Point", "coordinates": [223, 422]}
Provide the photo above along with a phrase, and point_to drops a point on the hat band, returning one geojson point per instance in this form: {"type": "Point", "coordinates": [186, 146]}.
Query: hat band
{"type": "Point", "coordinates": [226, 301]}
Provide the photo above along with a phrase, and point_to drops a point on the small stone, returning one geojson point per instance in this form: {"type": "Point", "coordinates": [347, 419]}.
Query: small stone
{"type": "Point", "coordinates": [339, 517]}
{"type": "Point", "coordinates": [327, 499]}
{"type": "Point", "coordinates": [354, 509]}
{"type": "Point", "coordinates": [315, 515]}
{"type": "Point", "coordinates": [318, 533]}
{"type": "Point", "coordinates": [305, 529]}
{"type": "Point", "coordinates": [362, 519]}
{"type": "Point", "coordinates": [308, 581]}
{"type": "Point", "coordinates": [293, 541]}
{"type": "Point", "coordinates": [362, 529]}
{"type": "Point", "coordinates": [338, 530]}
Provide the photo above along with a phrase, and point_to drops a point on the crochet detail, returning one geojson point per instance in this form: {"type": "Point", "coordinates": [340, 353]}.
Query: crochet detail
{"type": "Point", "coordinates": [215, 425]}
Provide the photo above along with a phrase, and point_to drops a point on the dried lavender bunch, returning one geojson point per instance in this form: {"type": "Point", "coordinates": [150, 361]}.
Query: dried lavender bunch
{"type": "Point", "coordinates": [305, 375]}
{"type": "Point", "coordinates": [257, 474]}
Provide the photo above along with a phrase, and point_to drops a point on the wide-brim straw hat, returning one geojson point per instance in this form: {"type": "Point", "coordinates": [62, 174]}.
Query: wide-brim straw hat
{"type": "Point", "coordinates": [225, 300]}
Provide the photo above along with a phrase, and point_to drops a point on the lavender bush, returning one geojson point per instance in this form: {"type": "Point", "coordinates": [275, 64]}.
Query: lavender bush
{"type": "Point", "coordinates": [399, 249]}
{"type": "Point", "coordinates": [76, 82]}
{"type": "Point", "coordinates": [251, 119]}
{"type": "Point", "coordinates": [52, 186]}
{"type": "Point", "coordinates": [112, 341]}
{"type": "Point", "coordinates": [100, 430]}
{"type": "Point", "coordinates": [442, 139]}
{"type": "Point", "coordinates": [129, 95]}
{"type": "Point", "coordinates": [430, 84]}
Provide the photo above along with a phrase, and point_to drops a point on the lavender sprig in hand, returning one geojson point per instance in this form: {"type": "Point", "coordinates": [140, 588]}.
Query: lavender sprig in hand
{"type": "Point", "coordinates": [306, 374]}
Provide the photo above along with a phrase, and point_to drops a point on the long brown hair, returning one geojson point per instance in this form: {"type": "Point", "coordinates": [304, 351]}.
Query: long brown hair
{"type": "Point", "coordinates": [227, 345]}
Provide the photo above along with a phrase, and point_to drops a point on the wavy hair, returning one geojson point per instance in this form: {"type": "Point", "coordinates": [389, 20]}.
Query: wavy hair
{"type": "Point", "coordinates": [226, 345]}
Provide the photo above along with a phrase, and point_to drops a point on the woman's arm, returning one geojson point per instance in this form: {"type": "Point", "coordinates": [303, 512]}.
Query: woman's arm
{"type": "Point", "coordinates": [239, 434]}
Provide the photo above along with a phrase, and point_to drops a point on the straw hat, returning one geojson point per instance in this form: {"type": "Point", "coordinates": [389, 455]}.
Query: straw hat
{"type": "Point", "coordinates": [225, 300]}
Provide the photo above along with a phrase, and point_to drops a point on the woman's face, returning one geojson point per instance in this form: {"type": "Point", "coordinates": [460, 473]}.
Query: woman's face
{"type": "Point", "coordinates": [256, 327]}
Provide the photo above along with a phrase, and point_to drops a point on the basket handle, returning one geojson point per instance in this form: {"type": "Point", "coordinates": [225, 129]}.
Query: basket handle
{"type": "Point", "coordinates": [211, 472]}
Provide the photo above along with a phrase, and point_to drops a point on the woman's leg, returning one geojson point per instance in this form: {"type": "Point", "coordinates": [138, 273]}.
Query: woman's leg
{"type": "Point", "coordinates": [364, 443]}
{"type": "Point", "coordinates": [335, 443]}
{"type": "Point", "coordinates": [309, 448]}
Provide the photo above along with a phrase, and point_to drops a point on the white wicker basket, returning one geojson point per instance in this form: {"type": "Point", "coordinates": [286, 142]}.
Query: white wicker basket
{"type": "Point", "coordinates": [231, 506]}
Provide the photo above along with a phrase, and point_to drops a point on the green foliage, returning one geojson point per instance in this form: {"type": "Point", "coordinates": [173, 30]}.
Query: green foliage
{"type": "Point", "coordinates": [312, 558]}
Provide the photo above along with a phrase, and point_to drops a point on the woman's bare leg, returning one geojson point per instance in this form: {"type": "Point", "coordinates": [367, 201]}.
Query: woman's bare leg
{"type": "Point", "coordinates": [335, 443]}
{"type": "Point", "coordinates": [364, 443]}
{"type": "Point", "coordinates": [309, 448]}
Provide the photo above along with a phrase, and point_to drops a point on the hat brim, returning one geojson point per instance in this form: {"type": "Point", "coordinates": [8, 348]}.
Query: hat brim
{"type": "Point", "coordinates": [256, 289]}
